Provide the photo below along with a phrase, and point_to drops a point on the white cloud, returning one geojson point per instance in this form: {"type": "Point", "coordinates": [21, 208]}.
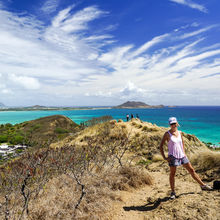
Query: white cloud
{"type": "Point", "coordinates": [149, 44]}
{"type": "Point", "coordinates": [68, 61]}
{"type": "Point", "coordinates": [78, 21]}
{"type": "Point", "coordinates": [50, 6]}
{"type": "Point", "coordinates": [6, 91]}
{"type": "Point", "coordinates": [26, 82]}
{"type": "Point", "coordinates": [191, 4]}
{"type": "Point", "coordinates": [194, 33]}
{"type": "Point", "coordinates": [130, 91]}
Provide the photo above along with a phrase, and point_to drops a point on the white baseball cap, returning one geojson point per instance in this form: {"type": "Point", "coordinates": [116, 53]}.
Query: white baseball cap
{"type": "Point", "coordinates": [172, 120]}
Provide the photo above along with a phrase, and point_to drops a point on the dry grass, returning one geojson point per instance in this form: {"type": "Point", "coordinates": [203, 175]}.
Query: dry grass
{"type": "Point", "coordinates": [59, 197]}
{"type": "Point", "coordinates": [129, 177]}
{"type": "Point", "coordinates": [206, 159]}
{"type": "Point", "coordinates": [149, 129]}
{"type": "Point", "coordinates": [157, 157]}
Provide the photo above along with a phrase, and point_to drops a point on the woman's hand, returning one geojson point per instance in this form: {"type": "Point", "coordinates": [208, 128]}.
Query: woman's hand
{"type": "Point", "coordinates": [167, 159]}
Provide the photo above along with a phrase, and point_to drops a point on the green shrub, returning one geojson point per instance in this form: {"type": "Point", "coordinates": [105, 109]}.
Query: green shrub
{"type": "Point", "coordinates": [8, 125]}
{"type": "Point", "coordinates": [19, 151]}
{"type": "Point", "coordinates": [18, 139]}
{"type": "Point", "coordinates": [37, 126]}
{"type": "Point", "coordinates": [144, 162]}
{"type": "Point", "coordinates": [61, 131]}
{"type": "Point", "coordinates": [3, 138]}
{"type": "Point", "coordinates": [98, 120]}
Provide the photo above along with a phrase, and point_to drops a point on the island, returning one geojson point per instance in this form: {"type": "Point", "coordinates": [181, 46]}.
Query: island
{"type": "Point", "coordinates": [128, 105]}
{"type": "Point", "coordinates": [133, 104]}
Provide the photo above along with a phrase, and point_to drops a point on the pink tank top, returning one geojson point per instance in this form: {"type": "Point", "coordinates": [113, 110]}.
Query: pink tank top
{"type": "Point", "coordinates": [175, 146]}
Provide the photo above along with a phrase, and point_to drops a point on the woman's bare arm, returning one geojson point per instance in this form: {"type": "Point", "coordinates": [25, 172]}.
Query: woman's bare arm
{"type": "Point", "coordinates": [164, 139]}
{"type": "Point", "coordinates": [183, 144]}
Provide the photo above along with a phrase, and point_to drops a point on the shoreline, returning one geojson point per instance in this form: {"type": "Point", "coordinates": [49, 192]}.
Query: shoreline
{"type": "Point", "coordinates": [155, 116]}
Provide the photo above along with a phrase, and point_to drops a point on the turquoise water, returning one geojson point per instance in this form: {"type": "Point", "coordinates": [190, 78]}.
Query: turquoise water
{"type": "Point", "coordinates": [202, 121]}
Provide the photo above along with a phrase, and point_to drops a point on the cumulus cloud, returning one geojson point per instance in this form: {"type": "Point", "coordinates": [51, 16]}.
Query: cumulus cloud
{"type": "Point", "coordinates": [131, 91]}
{"type": "Point", "coordinates": [191, 4]}
{"type": "Point", "coordinates": [25, 81]}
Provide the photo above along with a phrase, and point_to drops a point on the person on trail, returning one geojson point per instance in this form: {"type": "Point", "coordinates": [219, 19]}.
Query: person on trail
{"type": "Point", "coordinates": [177, 156]}
{"type": "Point", "coordinates": [127, 117]}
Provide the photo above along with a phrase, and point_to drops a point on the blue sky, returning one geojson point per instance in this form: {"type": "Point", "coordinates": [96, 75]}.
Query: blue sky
{"type": "Point", "coordinates": [99, 52]}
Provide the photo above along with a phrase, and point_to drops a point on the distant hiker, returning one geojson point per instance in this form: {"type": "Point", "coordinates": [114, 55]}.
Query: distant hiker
{"type": "Point", "coordinates": [127, 116]}
{"type": "Point", "coordinates": [132, 116]}
{"type": "Point", "coordinates": [137, 116]}
{"type": "Point", "coordinates": [177, 156]}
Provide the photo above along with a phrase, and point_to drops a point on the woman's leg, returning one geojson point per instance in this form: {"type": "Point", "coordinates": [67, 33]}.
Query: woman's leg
{"type": "Point", "coordinates": [194, 175]}
{"type": "Point", "coordinates": [172, 178]}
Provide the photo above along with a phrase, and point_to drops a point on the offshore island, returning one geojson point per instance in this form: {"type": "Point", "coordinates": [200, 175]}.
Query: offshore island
{"type": "Point", "coordinates": [126, 105]}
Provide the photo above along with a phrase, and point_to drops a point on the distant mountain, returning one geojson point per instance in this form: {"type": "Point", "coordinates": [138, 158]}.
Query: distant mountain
{"type": "Point", "coordinates": [37, 106]}
{"type": "Point", "coordinates": [133, 104]}
{"type": "Point", "coordinates": [1, 105]}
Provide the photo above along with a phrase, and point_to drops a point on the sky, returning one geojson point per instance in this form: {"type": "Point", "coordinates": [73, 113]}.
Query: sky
{"type": "Point", "coordinates": [106, 52]}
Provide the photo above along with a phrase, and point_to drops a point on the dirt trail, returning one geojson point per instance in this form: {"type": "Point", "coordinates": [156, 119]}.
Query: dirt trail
{"type": "Point", "coordinates": [152, 202]}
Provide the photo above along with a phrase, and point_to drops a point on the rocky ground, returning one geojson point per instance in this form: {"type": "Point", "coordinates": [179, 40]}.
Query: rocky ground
{"type": "Point", "coordinates": [153, 202]}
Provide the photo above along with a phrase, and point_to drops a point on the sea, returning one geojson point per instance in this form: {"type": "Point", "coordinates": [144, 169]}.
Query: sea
{"type": "Point", "coordinates": [201, 121]}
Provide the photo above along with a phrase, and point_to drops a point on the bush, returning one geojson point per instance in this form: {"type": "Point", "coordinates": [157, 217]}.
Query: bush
{"type": "Point", "coordinates": [144, 162]}
{"type": "Point", "coordinates": [61, 131]}
{"type": "Point", "coordinates": [3, 138]}
{"type": "Point", "coordinates": [8, 125]}
{"type": "Point", "coordinates": [37, 126]}
{"type": "Point", "coordinates": [98, 120]}
{"type": "Point", "coordinates": [18, 139]}
{"type": "Point", "coordinates": [206, 160]}
{"type": "Point", "coordinates": [19, 151]}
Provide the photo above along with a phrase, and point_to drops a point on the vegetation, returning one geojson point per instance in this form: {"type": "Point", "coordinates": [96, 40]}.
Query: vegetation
{"type": "Point", "coordinates": [35, 132]}
{"type": "Point", "coordinates": [206, 160]}
{"type": "Point", "coordinates": [11, 134]}
{"type": "Point", "coordinates": [80, 175]}
{"type": "Point", "coordinates": [90, 176]}
{"type": "Point", "coordinates": [96, 120]}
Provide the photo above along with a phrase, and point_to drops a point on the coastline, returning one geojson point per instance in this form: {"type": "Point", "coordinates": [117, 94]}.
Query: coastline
{"type": "Point", "coordinates": [193, 120]}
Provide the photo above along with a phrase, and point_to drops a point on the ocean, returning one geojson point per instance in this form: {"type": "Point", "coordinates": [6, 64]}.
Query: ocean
{"type": "Point", "coordinates": [202, 121]}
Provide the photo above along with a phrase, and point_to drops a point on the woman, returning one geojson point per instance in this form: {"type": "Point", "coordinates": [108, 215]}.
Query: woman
{"type": "Point", "coordinates": [177, 156]}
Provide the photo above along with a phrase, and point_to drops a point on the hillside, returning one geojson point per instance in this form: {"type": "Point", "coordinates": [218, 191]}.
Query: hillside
{"type": "Point", "coordinates": [36, 132]}
{"type": "Point", "coordinates": [133, 104]}
{"type": "Point", "coordinates": [144, 137]}
{"type": "Point", "coordinates": [111, 170]}
{"type": "Point", "coordinates": [50, 128]}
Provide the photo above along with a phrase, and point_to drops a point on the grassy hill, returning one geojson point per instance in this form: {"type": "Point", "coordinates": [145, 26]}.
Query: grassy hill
{"type": "Point", "coordinates": [109, 165]}
{"type": "Point", "coordinates": [36, 132]}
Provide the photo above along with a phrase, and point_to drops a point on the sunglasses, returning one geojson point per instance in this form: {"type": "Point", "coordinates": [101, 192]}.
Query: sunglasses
{"type": "Point", "coordinates": [173, 124]}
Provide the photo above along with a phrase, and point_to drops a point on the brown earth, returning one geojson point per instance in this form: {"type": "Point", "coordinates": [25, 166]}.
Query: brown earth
{"type": "Point", "coordinates": [152, 202]}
